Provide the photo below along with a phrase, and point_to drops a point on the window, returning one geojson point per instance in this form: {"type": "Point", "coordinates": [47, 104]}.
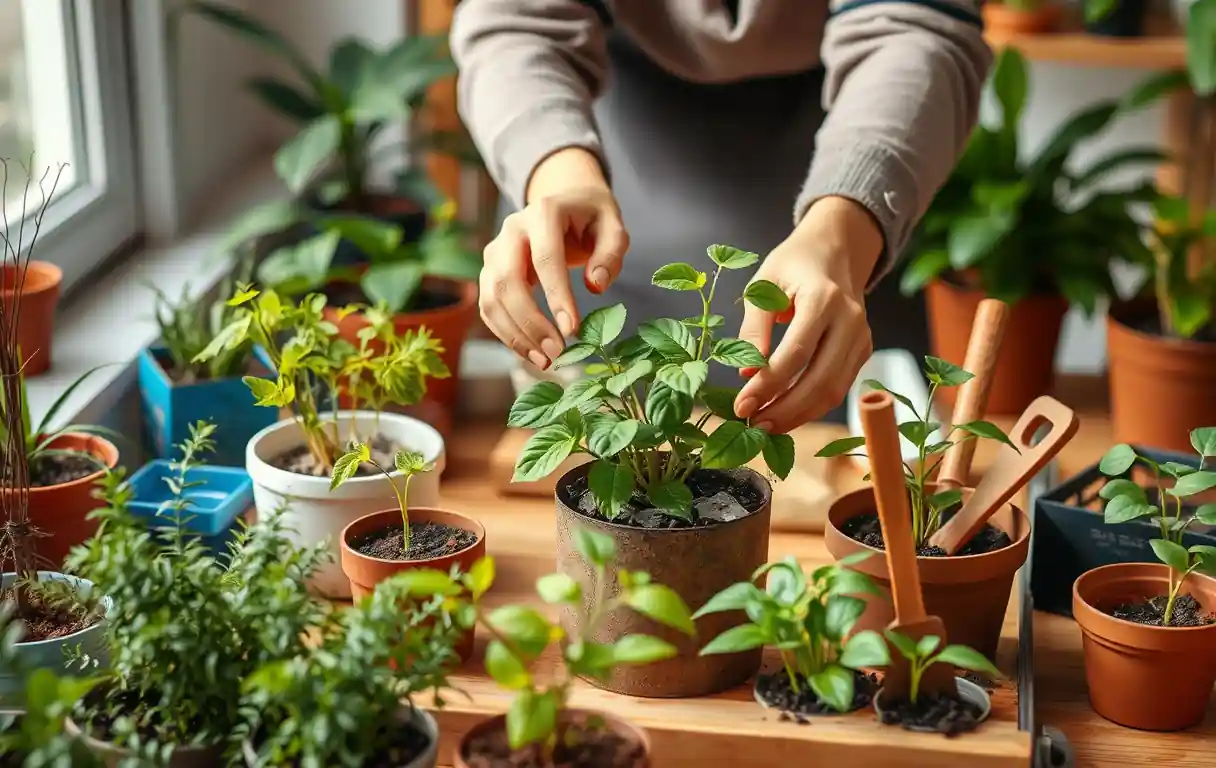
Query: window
{"type": "Point", "coordinates": [64, 99]}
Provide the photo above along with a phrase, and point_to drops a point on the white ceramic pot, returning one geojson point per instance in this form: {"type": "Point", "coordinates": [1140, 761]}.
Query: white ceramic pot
{"type": "Point", "coordinates": [314, 513]}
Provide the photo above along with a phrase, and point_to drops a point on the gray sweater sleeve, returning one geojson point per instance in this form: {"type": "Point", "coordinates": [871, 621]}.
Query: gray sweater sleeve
{"type": "Point", "coordinates": [529, 72]}
{"type": "Point", "coordinates": [903, 89]}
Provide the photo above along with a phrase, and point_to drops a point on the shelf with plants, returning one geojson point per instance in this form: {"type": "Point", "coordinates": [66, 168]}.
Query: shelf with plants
{"type": "Point", "coordinates": [1162, 46]}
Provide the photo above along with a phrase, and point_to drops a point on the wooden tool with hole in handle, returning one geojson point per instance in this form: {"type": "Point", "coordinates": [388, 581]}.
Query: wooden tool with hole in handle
{"type": "Point", "coordinates": [891, 495]}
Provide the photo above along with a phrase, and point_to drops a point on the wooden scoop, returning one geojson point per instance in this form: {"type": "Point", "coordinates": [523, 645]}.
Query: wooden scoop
{"type": "Point", "coordinates": [1011, 470]}
{"type": "Point", "coordinates": [986, 333]}
{"type": "Point", "coordinates": [886, 472]}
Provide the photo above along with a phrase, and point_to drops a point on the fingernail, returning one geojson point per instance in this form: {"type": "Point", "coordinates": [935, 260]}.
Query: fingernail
{"type": "Point", "coordinates": [552, 348]}
{"type": "Point", "coordinates": [539, 360]}
{"type": "Point", "coordinates": [764, 426]}
{"type": "Point", "coordinates": [599, 276]}
{"type": "Point", "coordinates": [745, 408]}
{"type": "Point", "coordinates": [747, 373]}
{"type": "Point", "coordinates": [564, 323]}
{"type": "Point", "coordinates": [591, 286]}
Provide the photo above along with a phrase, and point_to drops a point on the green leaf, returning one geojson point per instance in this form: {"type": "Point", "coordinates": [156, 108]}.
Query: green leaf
{"type": "Point", "coordinates": [578, 394]}
{"type": "Point", "coordinates": [671, 497]}
{"type": "Point", "coordinates": [841, 446]}
{"type": "Point", "coordinates": [266, 393]}
{"type": "Point", "coordinates": [630, 376]}
{"type": "Point", "coordinates": [834, 686]}
{"type": "Point", "coordinates": [962, 657]}
{"type": "Point", "coordinates": [286, 100]}
{"type": "Point", "coordinates": [767, 296]}
{"type": "Point", "coordinates": [666, 408]}
{"type": "Point", "coordinates": [865, 649]}
{"type": "Point", "coordinates": [945, 499]}
{"type": "Point", "coordinates": [686, 377]}
{"type": "Point", "coordinates": [603, 325]}
{"type": "Point", "coordinates": [611, 484]}
{"type": "Point", "coordinates": [880, 387]}
{"type": "Point", "coordinates": [595, 548]}
{"type": "Point", "coordinates": [376, 239]}
{"type": "Point", "coordinates": [426, 582]}
{"type": "Point", "coordinates": [531, 718]}
{"type": "Point", "coordinates": [711, 321]}
{"type": "Point", "coordinates": [779, 454]}
{"type": "Point", "coordinates": [663, 605]}
{"type": "Point", "coordinates": [786, 581]}
{"type": "Point", "coordinates": [721, 402]}
{"type": "Point", "coordinates": [669, 338]}
{"type": "Point", "coordinates": [609, 434]}
{"type": "Point", "coordinates": [1204, 441]}
{"type": "Point", "coordinates": [945, 374]}
{"type": "Point", "coordinates": [1010, 85]}
{"type": "Point", "coordinates": [506, 670]}
{"type": "Point", "coordinates": [679, 277]}
{"type": "Point", "coordinates": [348, 464]}
{"type": "Point", "coordinates": [690, 434]}
{"type": "Point", "coordinates": [1150, 156]}
{"type": "Point", "coordinates": [1206, 514]}
{"type": "Point", "coordinates": [904, 644]}
{"type": "Point", "coordinates": [737, 353]}
{"type": "Point", "coordinates": [842, 613]}
{"type": "Point", "coordinates": [1117, 460]}
{"type": "Point", "coordinates": [395, 283]}
{"type": "Point", "coordinates": [574, 353]}
{"type": "Point", "coordinates": [987, 430]}
{"type": "Point", "coordinates": [480, 577]}
{"type": "Point", "coordinates": [1196, 482]}
{"type": "Point", "coordinates": [411, 463]}
{"type": "Point", "coordinates": [526, 630]}
{"type": "Point", "coordinates": [731, 445]}
{"type": "Point", "coordinates": [1123, 487]}
{"type": "Point", "coordinates": [303, 266]}
{"type": "Point", "coordinates": [558, 588]}
{"type": "Point", "coordinates": [349, 61]}
{"type": "Point", "coordinates": [922, 268]}
{"type": "Point", "coordinates": [736, 597]}
{"type": "Point", "coordinates": [1152, 88]}
{"type": "Point", "coordinates": [917, 432]}
{"type": "Point", "coordinates": [259, 34]}
{"type": "Point", "coordinates": [729, 257]}
{"type": "Point", "coordinates": [1173, 555]}
{"type": "Point", "coordinates": [744, 637]}
{"type": "Point", "coordinates": [544, 452]}
{"type": "Point", "coordinates": [642, 649]}
{"type": "Point", "coordinates": [1122, 509]}
{"type": "Point", "coordinates": [927, 645]}
{"type": "Point", "coordinates": [974, 236]}
{"type": "Point", "coordinates": [265, 219]}
{"type": "Point", "coordinates": [534, 408]}
{"type": "Point", "coordinates": [1201, 47]}
{"type": "Point", "coordinates": [297, 160]}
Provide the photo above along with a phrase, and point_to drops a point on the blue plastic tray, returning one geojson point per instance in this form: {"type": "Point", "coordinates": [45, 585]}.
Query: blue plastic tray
{"type": "Point", "coordinates": [225, 493]}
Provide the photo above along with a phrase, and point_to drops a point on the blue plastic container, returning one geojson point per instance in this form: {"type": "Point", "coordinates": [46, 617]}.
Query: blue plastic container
{"type": "Point", "coordinates": [169, 410]}
{"type": "Point", "coordinates": [225, 494]}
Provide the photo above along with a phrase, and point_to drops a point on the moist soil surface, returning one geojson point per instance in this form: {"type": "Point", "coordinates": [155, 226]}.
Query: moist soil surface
{"type": "Point", "coordinates": [427, 540]}
{"type": "Point", "coordinates": [580, 745]}
{"type": "Point", "coordinates": [45, 620]}
{"type": "Point", "coordinates": [427, 298]}
{"type": "Point", "coordinates": [1187, 612]}
{"type": "Point", "coordinates": [718, 497]}
{"type": "Point", "coordinates": [301, 461]}
{"type": "Point", "coordinates": [949, 715]}
{"type": "Point", "coordinates": [867, 530]}
{"type": "Point", "coordinates": [775, 690]}
{"type": "Point", "coordinates": [59, 468]}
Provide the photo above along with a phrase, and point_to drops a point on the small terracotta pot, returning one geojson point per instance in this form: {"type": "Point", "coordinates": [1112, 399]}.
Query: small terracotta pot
{"type": "Point", "coordinates": [38, 299]}
{"type": "Point", "coordinates": [1160, 388]}
{"type": "Point", "coordinates": [1025, 365]}
{"type": "Point", "coordinates": [612, 722]}
{"type": "Point", "coordinates": [697, 563]}
{"type": "Point", "coordinates": [1152, 678]}
{"type": "Point", "coordinates": [970, 593]}
{"type": "Point", "coordinates": [1001, 20]}
{"type": "Point", "coordinates": [366, 572]}
{"type": "Point", "coordinates": [112, 756]}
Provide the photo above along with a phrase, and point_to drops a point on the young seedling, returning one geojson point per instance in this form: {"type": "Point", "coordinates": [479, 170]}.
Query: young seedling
{"type": "Point", "coordinates": [1127, 501]}
{"type": "Point", "coordinates": [407, 463]}
{"type": "Point", "coordinates": [924, 433]}
{"type": "Point", "coordinates": [921, 655]}
{"type": "Point", "coordinates": [634, 412]}
{"type": "Point", "coordinates": [807, 620]}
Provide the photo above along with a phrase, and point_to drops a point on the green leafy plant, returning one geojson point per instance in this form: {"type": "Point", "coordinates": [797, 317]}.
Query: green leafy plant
{"type": "Point", "coordinates": [928, 505]}
{"type": "Point", "coordinates": [1127, 501]}
{"type": "Point", "coordinates": [187, 326]}
{"type": "Point", "coordinates": [634, 411]}
{"type": "Point", "coordinates": [922, 654]}
{"type": "Point", "coordinates": [386, 367]}
{"type": "Point", "coordinates": [1186, 299]}
{"type": "Point", "coordinates": [807, 621]}
{"type": "Point", "coordinates": [408, 463]}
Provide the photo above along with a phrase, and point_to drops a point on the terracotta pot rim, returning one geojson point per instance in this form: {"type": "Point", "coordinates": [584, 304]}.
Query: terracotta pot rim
{"type": "Point", "coordinates": [111, 461]}
{"type": "Point", "coordinates": [946, 281]}
{"type": "Point", "coordinates": [1093, 618]}
{"type": "Point", "coordinates": [466, 291]}
{"type": "Point", "coordinates": [475, 527]}
{"type": "Point", "coordinates": [1119, 322]}
{"type": "Point", "coordinates": [48, 270]}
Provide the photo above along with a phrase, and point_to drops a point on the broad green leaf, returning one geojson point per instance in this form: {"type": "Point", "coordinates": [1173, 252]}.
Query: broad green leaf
{"type": "Point", "coordinates": [927, 645]}
{"type": "Point", "coordinates": [506, 670]}
{"type": "Point", "coordinates": [663, 605]}
{"type": "Point", "coordinates": [297, 160]}
{"type": "Point", "coordinates": [731, 445]}
{"type": "Point", "coordinates": [687, 377]}
{"type": "Point", "coordinates": [1010, 84]}
{"type": "Point", "coordinates": [1204, 441]}
{"type": "Point", "coordinates": [526, 630]}
{"type": "Point", "coordinates": [669, 338]}
{"type": "Point", "coordinates": [666, 408]}
{"type": "Point", "coordinates": [865, 649]}
{"type": "Point", "coordinates": [348, 464]}
{"type": "Point", "coordinates": [611, 485]}
{"type": "Point", "coordinates": [1206, 514]}
{"type": "Point", "coordinates": [426, 582]}
{"type": "Point", "coordinates": [349, 61]}
{"type": "Point", "coordinates": [411, 463]}
{"type": "Point", "coordinates": [988, 431]}
{"type": "Point", "coordinates": [767, 296]}
{"type": "Point", "coordinates": [671, 497]}
{"type": "Point", "coordinates": [395, 283]}
{"type": "Point", "coordinates": [642, 649]}
{"type": "Point", "coordinates": [534, 408]}
{"type": "Point", "coordinates": [922, 268]}
{"type": "Point", "coordinates": [531, 718]}
{"type": "Point", "coordinates": [1122, 509]}
{"type": "Point", "coordinates": [558, 588]}
{"type": "Point", "coordinates": [578, 394]}
{"type": "Point", "coordinates": [544, 452]}
{"type": "Point", "coordinates": [590, 658]}
{"type": "Point", "coordinates": [609, 434]}
{"type": "Point", "coordinates": [779, 454]}
{"type": "Point", "coordinates": [1175, 469]}
{"type": "Point", "coordinates": [574, 353]}
{"type": "Point", "coordinates": [595, 548]}
{"type": "Point", "coordinates": [603, 325]}
{"type": "Point", "coordinates": [1196, 482]}
{"type": "Point", "coordinates": [834, 686]}
{"type": "Point", "coordinates": [841, 446]}
{"type": "Point", "coordinates": [945, 374]}
{"type": "Point", "coordinates": [917, 432]}
{"type": "Point", "coordinates": [266, 393]}
{"type": "Point", "coordinates": [1173, 555]}
{"type": "Point", "coordinates": [744, 637]}
{"type": "Point", "coordinates": [737, 353]}
{"type": "Point", "coordinates": [286, 100]}
{"type": "Point", "coordinates": [721, 402]}
{"type": "Point", "coordinates": [786, 581]}
{"type": "Point", "coordinates": [1123, 487]}
{"type": "Point", "coordinates": [480, 577]}
{"type": "Point", "coordinates": [842, 613]}
{"type": "Point", "coordinates": [736, 597]}
{"type": "Point", "coordinates": [1117, 460]}
{"type": "Point", "coordinates": [266, 219]}
{"type": "Point", "coordinates": [377, 239]}
{"type": "Point", "coordinates": [974, 236]}
{"type": "Point", "coordinates": [691, 434]}
{"type": "Point", "coordinates": [729, 257]}
{"type": "Point", "coordinates": [962, 657]}
{"type": "Point", "coordinates": [945, 499]}
{"type": "Point", "coordinates": [627, 378]}
{"type": "Point", "coordinates": [1201, 47]}
{"type": "Point", "coordinates": [904, 644]}
{"type": "Point", "coordinates": [1205, 555]}
{"type": "Point", "coordinates": [304, 266]}
{"type": "Point", "coordinates": [679, 277]}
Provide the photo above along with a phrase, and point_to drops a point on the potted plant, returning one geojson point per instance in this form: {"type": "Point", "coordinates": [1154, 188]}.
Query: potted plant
{"type": "Point", "coordinates": [1014, 230]}
{"type": "Point", "coordinates": [677, 501]}
{"type": "Point", "coordinates": [1115, 18]}
{"type": "Point", "coordinates": [1140, 621]}
{"type": "Point", "coordinates": [1008, 18]}
{"type": "Point", "coordinates": [540, 728]}
{"type": "Point", "coordinates": [808, 621]}
{"type": "Point", "coordinates": [969, 591]}
{"type": "Point", "coordinates": [294, 458]}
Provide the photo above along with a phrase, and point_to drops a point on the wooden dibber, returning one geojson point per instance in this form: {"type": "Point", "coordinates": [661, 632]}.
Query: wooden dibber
{"type": "Point", "coordinates": [891, 495]}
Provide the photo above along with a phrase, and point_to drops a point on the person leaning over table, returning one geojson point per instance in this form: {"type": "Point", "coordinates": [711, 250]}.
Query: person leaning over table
{"type": "Point", "coordinates": [713, 125]}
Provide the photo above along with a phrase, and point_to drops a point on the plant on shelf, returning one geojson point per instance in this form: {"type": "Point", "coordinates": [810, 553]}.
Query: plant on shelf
{"type": "Point", "coordinates": [1127, 501]}
{"type": "Point", "coordinates": [807, 620]}
{"type": "Point", "coordinates": [634, 412]}
{"type": "Point", "coordinates": [928, 505]}
{"type": "Point", "coordinates": [1186, 298]}
{"type": "Point", "coordinates": [924, 653]}
{"type": "Point", "coordinates": [407, 463]}
{"type": "Point", "coordinates": [187, 326]}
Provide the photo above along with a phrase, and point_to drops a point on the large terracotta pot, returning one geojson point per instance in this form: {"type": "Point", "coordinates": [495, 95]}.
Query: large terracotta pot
{"type": "Point", "coordinates": [1139, 676]}
{"type": "Point", "coordinates": [365, 572]}
{"type": "Point", "coordinates": [697, 563]}
{"type": "Point", "coordinates": [621, 727]}
{"type": "Point", "coordinates": [38, 298]}
{"type": "Point", "coordinates": [1002, 20]}
{"type": "Point", "coordinates": [1160, 388]}
{"type": "Point", "coordinates": [1025, 365]}
{"type": "Point", "coordinates": [970, 593]}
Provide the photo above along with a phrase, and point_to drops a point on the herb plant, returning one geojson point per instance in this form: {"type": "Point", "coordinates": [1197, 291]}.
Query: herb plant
{"type": "Point", "coordinates": [921, 655]}
{"type": "Point", "coordinates": [187, 327]}
{"type": "Point", "coordinates": [1127, 501]}
{"type": "Point", "coordinates": [1186, 299]}
{"type": "Point", "coordinates": [385, 367]}
{"type": "Point", "coordinates": [807, 620]}
{"type": "Point", "coordinates": [927, 504]}
{"type": "Point", "coordinates": [407, 463]}
{"type": "Point", "coordinates": [634, 411]}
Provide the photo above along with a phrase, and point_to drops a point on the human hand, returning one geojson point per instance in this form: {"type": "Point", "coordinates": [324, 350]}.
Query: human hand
{"type": "Point", "coordinates": [571, 219]}
{"type": "Point", "coordinates": [823, 267]}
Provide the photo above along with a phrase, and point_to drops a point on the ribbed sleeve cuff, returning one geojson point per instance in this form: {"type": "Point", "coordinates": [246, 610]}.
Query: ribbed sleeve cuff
{"type": "Point", "coordinates": [873, 177]}
{"type": "Point", "coordinates": [534, 135]}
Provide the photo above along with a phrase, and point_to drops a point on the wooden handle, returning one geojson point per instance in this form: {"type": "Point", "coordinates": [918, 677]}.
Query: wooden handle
{"type": "Point", "coordinates": [877, 410]}
{"type": "Point", "coordinates": [982, 349]}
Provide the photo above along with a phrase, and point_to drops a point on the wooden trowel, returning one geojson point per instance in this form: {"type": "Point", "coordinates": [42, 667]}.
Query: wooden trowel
{"type": "Point", "coordinates": [887, 476]}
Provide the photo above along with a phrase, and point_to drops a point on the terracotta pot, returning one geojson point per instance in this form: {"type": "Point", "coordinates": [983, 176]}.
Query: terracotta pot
{"type": "Point", "coordinates": [39, 296]}
{"type": "Point", "coordinates": [1025, 365]}
{"type": "Point", "coordinates": [112, 756]}
{"type": "Point", "coordinates": [695, 562]}
{"type": "Point", "coordinates": [612, 722]}
{"type": "Point", "coordinates": [449, 325]}
{"type": "Point", "coordinates": [1152, 678]}
{"type": "Point", "coordinates": [1002, 20]}
{"type": "Point", "coordinates": [366, 572]}
{"type": "Point", "coordinates": [969, 593]}
{"type": "Point", "coordinates": [1160, 388]}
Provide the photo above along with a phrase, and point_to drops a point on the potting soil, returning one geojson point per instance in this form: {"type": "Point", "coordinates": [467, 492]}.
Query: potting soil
{"type": "Point", "coordinates": [718, 497]}
{"type": "Point", "coordinates": [776, 691]}
{"type": "Point", "coordinates": [427, 540]}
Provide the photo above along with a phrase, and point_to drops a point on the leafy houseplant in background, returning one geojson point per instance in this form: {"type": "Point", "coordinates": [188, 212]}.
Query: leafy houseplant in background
{"type": "Point", "coordinates": [1142, 621]}
{"type": "Point", "coordinates": [1115, 18]}
{"type": "Point", "coordinates": [676, 499]}
{"type": "Point", "coordinates": [294, 458]}
{"type": "Point", "coordinates": [1013, 17]}
{"type": "Point", "coordinates": [1036, 234]}
{"type": "Point", "coordinates": [924, 712]}
{"type": "Point", "coordinates": [807, 620]}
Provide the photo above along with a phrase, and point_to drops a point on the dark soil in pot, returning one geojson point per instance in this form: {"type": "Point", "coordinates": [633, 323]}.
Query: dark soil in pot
{"type": "Point", "coordinates": [46, 621]}
{"type": "Point", "coordinates": [427, 541]}
{"type": "Point", "coordinates": [61, 468]}
{"type": "Point", "coordinates": [583, 743]}
{"type": "Point", "coordinates": [405, 743]}
{"type": "Point", "coordinates": [427, 298]}
{"type": "Point", "coordinates": [949, 715]}
{"type": "Point", "coordinates": [775, 691]}
{"type": "Point", "coordinates": [300, 460]}
{"type": "Point", "coordinates": [867, 530]}
{"type": "Point", "coordinates": [718, 497]}
{"type": "Point", "coordinates": [1187, 612]}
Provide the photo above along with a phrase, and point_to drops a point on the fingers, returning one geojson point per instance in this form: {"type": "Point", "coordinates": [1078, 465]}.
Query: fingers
{"type": "Point", "coordinates": [611, 243]}
{"type": "Point", "coordinates": [757, 328]}
{"type": "Point", "coordinates": [506, 303]}
{"type": "Point", "coordinates": [792, 356]}
{"type": "Point", "coordinates": [546, 237]}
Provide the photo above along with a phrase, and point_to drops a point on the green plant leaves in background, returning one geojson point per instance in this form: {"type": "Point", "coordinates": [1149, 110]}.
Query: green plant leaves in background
{"type": "Point", "coordinates": [1201, 46]}
{"type": "Point", "coordinates": [299, 159]}
{"type": "Point", "coordinates": [662, 604]}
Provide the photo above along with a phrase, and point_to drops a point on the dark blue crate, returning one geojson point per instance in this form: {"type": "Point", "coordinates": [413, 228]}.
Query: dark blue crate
{"type": "Point", "coordinates": [224, 494]}
{"type": "Point", "coordinates": [1068, 539]}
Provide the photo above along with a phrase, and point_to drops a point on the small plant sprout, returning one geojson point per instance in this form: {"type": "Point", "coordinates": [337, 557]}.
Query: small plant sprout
{"type": "Point", "coordinates": [407, 463]}
{"type": "Point", "coordinates": [807, 621]}
{"type": "Point", "coordinates": [922, 654]}
{"type": "Point", "coordinates": [1127, 501]}
{"type": "Point", "coordinates": [927, 507]}
{"type": "Point", "coordinates": [634, 412]}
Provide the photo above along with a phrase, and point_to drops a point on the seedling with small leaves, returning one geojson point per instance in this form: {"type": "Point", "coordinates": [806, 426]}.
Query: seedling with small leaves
{"type": "Point", "coordinates": [807, 621]}
{"type": "Point", "coordinates": [633, 412]}
{"type": "Point", "coordinates": [1127, 501]}
{"type": "Point", "coordinates": [927, 506]}
{"type": "Point", "coordinates": [407, 463]}
{"type": "Point", "coordinates": [922, 654]}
